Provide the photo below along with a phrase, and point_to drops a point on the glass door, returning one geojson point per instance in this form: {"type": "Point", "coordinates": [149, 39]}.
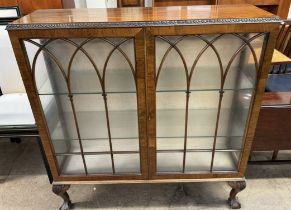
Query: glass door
{"type": "Point", "coordinates": [204, 86]}
{"type": "Point", "coordinates": [90, 97]}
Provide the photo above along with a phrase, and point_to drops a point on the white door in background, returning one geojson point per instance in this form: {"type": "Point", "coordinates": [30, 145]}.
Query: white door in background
{"type": "Point", "coordinates": [95, 3]}
{"type": "Point", "coordinates": [101, 3]}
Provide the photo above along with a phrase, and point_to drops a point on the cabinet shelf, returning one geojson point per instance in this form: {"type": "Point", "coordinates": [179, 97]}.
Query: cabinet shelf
{"type": "Point", "coordinates": [224, 162]}
{"type": "Point", "coordinates": [137, 152]}
{"type": "Point", "coordinates": [197, 162]}
{"type": "Point", "coordinates": [99, 164]}
{"type": "Point", "coordinates": [92, 125]}
{"type": "Point", "coordinates": [171, 124]}
{"type": "Point", "coordinates": [158, 91]}
{"type": "Point", "coordinates": [201, 122]}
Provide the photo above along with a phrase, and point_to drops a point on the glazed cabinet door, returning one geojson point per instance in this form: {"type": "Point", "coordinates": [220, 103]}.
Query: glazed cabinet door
{"type": "Point", "coordinates": [92, 93]}
{"type": "Point", "coordinates": [201, 89]}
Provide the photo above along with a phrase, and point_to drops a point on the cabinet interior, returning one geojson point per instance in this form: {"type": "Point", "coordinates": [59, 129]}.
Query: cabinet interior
{"type": "Point", "coordinates": [87, 89]}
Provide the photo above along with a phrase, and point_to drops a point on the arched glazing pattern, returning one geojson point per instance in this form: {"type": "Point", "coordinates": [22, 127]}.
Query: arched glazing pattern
{"type": "Point", "coordinates": [91, 84]}
{"type": "Point", "coordinates": [204, 89]}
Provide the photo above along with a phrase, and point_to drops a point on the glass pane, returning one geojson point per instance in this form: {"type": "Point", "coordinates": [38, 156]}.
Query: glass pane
{"type": "Point", "coordinates": [59, 59]}
{"type": "Point", "coordinates": [98, 164]}
{"type": "Point", "coordinates": [206, 74]}
{"type": "Point", "coordinates": [171, 74]}
{"type": "Point", "coordinates": [223, 143]}
{"type": "Point", "coordinates": [227, 50]}
{"type": "Point", "coordinates": [202, 113]}
{"type": "Point", "coordinates": [198, 161]}
{"type": "Point", "coordinates": [91, 117]}
{"type": "Point", "coordinates": [226, 161]}
{"type": "Point", "coordinates": [31, 50]}
{"type": "Point", "coordinates": [127, 163]}
{"type": "Point", "coordinates": [235, 109]}
{"type": "Point", "coordinates": [120, 70]}
{"type": "Point", "coordinates": [170, 114]}
{"type": "Point", "coordinates": [125, 144]}
{"type": "Point", "coordinates": [72, 146]}
{"type": "Point", "coordinates": [66, 146]}
{"type": "Point", "coordinates": [71, 165]}
{"type": "Point", "coordinates": [170, 143]}
{"type": "Point", "coordinates": [170, 162]}
{"type": "Point", "coordinates": [59, 117]}
{"type": "Point", "coordinates": [123, 115]}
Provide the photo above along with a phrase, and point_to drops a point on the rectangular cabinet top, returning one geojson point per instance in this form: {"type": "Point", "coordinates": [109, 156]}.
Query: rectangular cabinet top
{"type": "Point", "coordinates": [142, 17]}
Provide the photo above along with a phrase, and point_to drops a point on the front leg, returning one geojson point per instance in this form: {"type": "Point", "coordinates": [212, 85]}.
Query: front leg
{"type": "Point", "coordinates": [61, 190]}
{"type": "Point", "coordinates": [237, 186]}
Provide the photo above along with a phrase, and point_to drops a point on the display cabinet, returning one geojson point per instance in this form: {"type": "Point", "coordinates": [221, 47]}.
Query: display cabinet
{"type": "Point", "coordinates": [146, 95]}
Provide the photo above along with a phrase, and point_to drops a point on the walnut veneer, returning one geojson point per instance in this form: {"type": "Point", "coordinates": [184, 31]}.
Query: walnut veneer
{"type": "Point", "coordinates": [146, 95]}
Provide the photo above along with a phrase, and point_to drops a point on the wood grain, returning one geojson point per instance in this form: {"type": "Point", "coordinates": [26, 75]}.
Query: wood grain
{"type": "Point", "coordinates": [5, 3]}
{"type": "Point", "coordinates": [273, 131]}
{"type": "Point", "coordinates": [28, 6]}
{"type": "Point", "coordinates": [145, 61]}
{"type": "Point", "coordinates": [143, 14]}
{"type": "Point", "coordinates": [278, 7]}
{"type": "Point", "coordinates": [253, 2]}
{"type": "Point", "coordinates": [130, 3]}
{"type": "Point", "coordinates": [279, 58]}
{"type": "Point", "coordinates": [163, 3]}
{"type": "Point", "coordinates": [276, 99]}
{"type": "Point", "coordinates": [283, 8]}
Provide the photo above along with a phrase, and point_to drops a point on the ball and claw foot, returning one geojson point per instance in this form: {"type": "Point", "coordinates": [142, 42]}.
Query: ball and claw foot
{"type": "Point", "coordinates": [61, 190]}
{"type": "Point", "coordinates": [237, 186]}
{"type": "Point", "coordinates": [234, 203]}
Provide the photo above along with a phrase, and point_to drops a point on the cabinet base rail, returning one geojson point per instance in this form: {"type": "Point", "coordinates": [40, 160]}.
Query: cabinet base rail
{"type": "Point", "coordinates": [233, 202]}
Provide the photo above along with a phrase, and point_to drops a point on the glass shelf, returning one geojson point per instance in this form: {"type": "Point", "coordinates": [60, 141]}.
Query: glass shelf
{"type": "Point", "coordinates": [99, 164]}
{"type": "Point", "coordinates": [201, 122]}
{"type": "Point", "coordinates": [92, 124]}
{"type": "Point", "coordinates": [158, 91]}
{"type": "Point", "coordinates": [98, 146]}
{"type": "Point", "coordinates": [200, 143]}
{"type": "Point", "coordinates": [197, 162]}
{"type": "Point", "coordinates": [124, 125]}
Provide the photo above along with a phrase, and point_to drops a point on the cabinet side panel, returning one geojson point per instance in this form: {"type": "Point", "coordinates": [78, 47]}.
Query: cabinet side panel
{"type": "Point", "coordinates": [260, 87]}
{"type": "Point", "coordinates": [23, 63]}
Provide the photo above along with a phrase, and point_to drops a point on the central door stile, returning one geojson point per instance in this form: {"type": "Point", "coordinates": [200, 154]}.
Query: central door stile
{"type": "Point", "coordinates": [140, 79]}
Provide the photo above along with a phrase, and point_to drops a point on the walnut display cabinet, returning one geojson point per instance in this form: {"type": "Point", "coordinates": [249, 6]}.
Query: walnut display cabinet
{"type": "Point", "coordinates": [146, 95]}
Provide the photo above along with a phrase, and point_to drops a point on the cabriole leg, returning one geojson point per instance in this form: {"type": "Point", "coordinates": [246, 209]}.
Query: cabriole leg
{"type": "Point", "coordinates": [237, 186]}
{"type": "Point", "coordinates": [61, 190]}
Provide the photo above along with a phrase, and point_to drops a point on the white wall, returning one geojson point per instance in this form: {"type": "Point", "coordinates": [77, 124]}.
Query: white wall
{"type": "Point", "coordinates": [10, 79]}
